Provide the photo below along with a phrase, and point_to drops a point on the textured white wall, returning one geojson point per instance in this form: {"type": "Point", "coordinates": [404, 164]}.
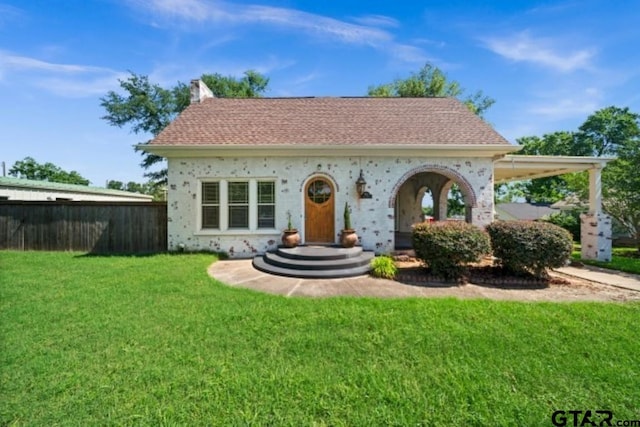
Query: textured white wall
{"type": "Point", "coordinates": [372, 218]}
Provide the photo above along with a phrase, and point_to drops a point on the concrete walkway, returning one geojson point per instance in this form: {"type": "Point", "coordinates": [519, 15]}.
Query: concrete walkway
{"type": "Point", "coordinates": [240, 273]}
{"type": "Point", "coordinates": [604, 276]}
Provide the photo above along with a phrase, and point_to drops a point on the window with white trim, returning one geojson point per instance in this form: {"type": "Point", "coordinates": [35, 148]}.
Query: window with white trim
{"type": "Point", "coordinates": [227, 205]}
{"type": "Point", "coordinates": [211, 205]}
{"type": "Point", "coordinates": [266, 204]}
{"type": "Point", "coordinates": [238, 204]}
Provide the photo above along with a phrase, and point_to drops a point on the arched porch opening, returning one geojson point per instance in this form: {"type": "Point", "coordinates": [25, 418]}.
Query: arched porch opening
{"type": "Point", "coordinates": [449, 193]}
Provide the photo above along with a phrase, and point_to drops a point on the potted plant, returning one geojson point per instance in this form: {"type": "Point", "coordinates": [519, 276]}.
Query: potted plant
{"type": "Point", "coordinates": [290, 236]}
{"type": "Point", "coordinates": [348, 238]}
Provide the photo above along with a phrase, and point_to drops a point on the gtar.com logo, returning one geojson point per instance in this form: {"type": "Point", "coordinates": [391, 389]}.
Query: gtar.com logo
{"type": "Point", "coordinates": [577, 418]}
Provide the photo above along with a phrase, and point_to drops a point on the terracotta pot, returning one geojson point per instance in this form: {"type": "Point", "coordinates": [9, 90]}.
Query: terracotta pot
{"type": "Point", "coordinates": [290, 238]}
{"type": "Point", "coordinates": [348, 238]}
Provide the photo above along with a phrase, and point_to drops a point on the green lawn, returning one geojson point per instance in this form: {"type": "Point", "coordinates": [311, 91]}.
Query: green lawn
{"type": "Point", "coordinates": [155, 341]}
{"type": "Point", "coordinates": [622, 259]}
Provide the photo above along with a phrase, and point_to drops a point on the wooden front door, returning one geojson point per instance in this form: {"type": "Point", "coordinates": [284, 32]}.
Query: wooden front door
{"type": "Point", "coordinates": [319, 211]}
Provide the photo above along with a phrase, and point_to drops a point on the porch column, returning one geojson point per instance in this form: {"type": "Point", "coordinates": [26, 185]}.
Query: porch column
{"type": "Point", "coordinates": [442, 196]}
{"type": "Point", "coordinates": [595, 226]}
{"type": "Point", "coordinates": [595, 190]}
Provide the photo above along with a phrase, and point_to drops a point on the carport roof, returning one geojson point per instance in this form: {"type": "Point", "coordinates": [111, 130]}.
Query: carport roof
{"type": "Point", "coordinates": [517, 168]}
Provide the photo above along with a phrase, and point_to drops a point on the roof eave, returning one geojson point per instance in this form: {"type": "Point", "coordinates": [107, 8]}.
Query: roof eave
{"type": "Point", "coordinates": [354, 150]}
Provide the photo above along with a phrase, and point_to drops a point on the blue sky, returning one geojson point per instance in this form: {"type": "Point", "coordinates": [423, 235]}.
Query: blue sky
{"type": "Point", "coordinates": [547, 64]}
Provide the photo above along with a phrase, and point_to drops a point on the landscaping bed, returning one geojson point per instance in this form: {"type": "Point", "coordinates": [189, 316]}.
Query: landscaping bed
{"type": "Point", "coordinates": [489, 281]}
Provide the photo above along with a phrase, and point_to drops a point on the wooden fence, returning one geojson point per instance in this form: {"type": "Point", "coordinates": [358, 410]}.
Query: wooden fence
{"type": "Point", "coordinates": [95, 227]}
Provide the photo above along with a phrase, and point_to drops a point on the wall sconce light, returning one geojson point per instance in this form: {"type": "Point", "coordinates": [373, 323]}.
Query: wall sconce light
{"type": "Point", "coordinates": [361, 186]}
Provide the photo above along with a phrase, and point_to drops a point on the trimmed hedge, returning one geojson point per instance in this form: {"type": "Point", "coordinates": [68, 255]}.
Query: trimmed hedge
{"type": "Point", "coordinates": [527, 246]}
{"type": "Point", "coordinates": [446, 247]}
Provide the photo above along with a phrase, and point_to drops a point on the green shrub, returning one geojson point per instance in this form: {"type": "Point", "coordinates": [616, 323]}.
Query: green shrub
{"type": "Point", "coordinates": [384, 266]}
{"type": "Point", "coordinates": [527, 246]}
{"type": "Point", "coordinates": [446, 247]}
{"type": "Point", "coordinates": [569, 220]}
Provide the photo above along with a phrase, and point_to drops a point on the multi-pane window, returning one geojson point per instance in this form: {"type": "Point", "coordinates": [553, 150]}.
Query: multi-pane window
{"type": "Point", "coordinates": [238, 205]}
{"type": "Point", "coordinates": [211, 205]}
{"type": "Point", "coordinates": [266, 204]}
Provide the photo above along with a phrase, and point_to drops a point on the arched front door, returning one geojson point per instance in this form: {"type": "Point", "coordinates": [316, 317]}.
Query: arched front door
{"type": "Point", "coordinates": [319, 211]}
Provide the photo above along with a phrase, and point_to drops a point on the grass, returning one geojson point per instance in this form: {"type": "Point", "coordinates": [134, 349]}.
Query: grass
{"type": "Point", "coordinates": [622, 259]}
{"type": "Point", "coordinates": [155, 341]}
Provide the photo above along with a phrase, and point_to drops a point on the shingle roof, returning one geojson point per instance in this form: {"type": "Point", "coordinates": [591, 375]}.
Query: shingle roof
{"type": "Point", "coordinates": [523, 211]}
{"type": "Point", "coordinates": [327, 121]}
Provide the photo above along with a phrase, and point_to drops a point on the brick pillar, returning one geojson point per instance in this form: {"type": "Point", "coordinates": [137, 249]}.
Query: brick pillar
{"type": "Point", "coordinates": [595, 236]}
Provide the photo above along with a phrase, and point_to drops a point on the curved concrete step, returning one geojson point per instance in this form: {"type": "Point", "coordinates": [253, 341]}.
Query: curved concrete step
{"type": "Point", "coordinates": [260, 264]}
{"type": "Point", "coordinates": [319, 252]}
{"type": "Point", "coordinates": [275, 258]}
{"type": "Point", "coordinates": [318, 262]}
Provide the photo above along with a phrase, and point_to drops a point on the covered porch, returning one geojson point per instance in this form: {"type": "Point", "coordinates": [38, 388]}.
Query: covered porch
{"type": "Point", "coordinates": [595, 224]}
{"type": "Point", "coordinates": [595, 227]}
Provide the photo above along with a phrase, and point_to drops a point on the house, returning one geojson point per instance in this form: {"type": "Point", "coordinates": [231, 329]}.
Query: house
{"type": "Point", "coordinates": [238, 167]}
{"type": "Point", "coordinates": [523, 211]}
{"type": "Point", "coordinates": [31, 190]}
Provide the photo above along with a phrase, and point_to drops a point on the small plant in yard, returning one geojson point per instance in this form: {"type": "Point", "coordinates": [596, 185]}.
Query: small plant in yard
{"type": "Point", "coordinates": [384, 266]}
{"type": "Point", "coordinates": [530, 247]}
{"type": "Point", "coordinates": [446, 247]}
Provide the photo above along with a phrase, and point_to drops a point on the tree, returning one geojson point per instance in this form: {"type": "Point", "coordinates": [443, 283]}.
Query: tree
{"type": "Point", "coordinates": [616, 131]}
{"type": "Point", "coordinates": [150, 188]}
{"type": "Point", "coordinates": [610, 131]}
{"type": "Point", "coordinates": [28, 168]}
{"type": "Point", "coordinates": [148, 108]}
{"type": "Point", "coordinates": [621, 194]}
{"type": "Point", "coordinates": [430, 81]}
{"type": "Point", "coordinates": [551, 189]}
{"type": "Point", "coordinates": [455, 201]}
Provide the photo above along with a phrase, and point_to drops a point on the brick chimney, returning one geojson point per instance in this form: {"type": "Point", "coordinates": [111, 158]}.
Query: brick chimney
{"type": "Point", "coordinates": [199, 91]}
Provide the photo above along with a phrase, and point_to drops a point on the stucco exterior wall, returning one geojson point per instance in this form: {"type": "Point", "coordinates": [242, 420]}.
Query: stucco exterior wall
{"type": "Point", "coordinates": [372, 218]}
{"type": "Point", "coordinates": [409, 207]}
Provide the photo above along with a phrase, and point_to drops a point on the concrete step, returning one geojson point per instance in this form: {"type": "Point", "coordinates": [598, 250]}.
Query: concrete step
{"type": "Point", "coordinates": [318, 253]}
{"type": "Point", "coordinates": [318, 262]}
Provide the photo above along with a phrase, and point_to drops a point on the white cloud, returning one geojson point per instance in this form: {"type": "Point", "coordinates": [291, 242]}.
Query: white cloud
{"type": "Point", "coordinates": [562, 106]}
{"type": "Point", "coordinates": [411, 54]}
{"type": "Point", "coordinates": [377, 21]}
{"type": "Point", "coordinates": [187, 9]}
{"type": "Point", "coordinates": [367, 31]}
{"type": "Point", "coordinates": [8, 14]}
{"type": "Point", "coordinates": [315, 24]}
{"type": "Point", "coordinates": [541, 51]}
{"type": "Point", "coordinates": [79, 88]}
{"type": "Point", "coordinates": [305, 79]}
{"type": "Point", "coordinates": [14, 62]}
{"type": "Point", "coordinates": [72, 80]}
{"type": "Point", "coordinates": [168, 74]}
